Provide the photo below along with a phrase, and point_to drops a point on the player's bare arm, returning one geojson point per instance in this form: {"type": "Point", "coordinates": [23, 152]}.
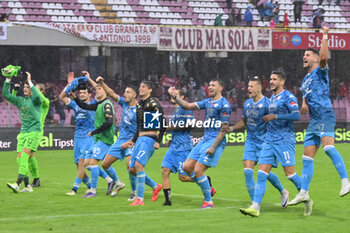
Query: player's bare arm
{"type": "Point", "coordinates": [63, 95]}
{"type": "Point", "coordinates": [218, 139]}
{"type": "Point", "coordinates": [92, 82]}
{"type": "Point", "coordinates": [239, 125]}
{"type": "Point", "coordinates": [304, 107]}
{"type": "Point", "coordinates": [324, 48]}
{"type": "Point", "coordinates": [269, 117]}
{"type": "Point", "coordinates": [183, 103]}
{"type": "Point", "coordinates": [108, 90]}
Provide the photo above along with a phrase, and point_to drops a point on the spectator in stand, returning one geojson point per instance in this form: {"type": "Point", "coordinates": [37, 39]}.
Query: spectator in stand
{"type": "Point", "coordinates": [59, 110]}
{"type": "Point", "coordinates": [343, 91]}
{"type": "Point", "coordinates": [233, 102]}
{"type": "Point", "coordinates": [317, 23]}
{"type": "Point", "coordinates": [230, 87]}
{"type": "Point", "coordinates": [272, 24]}
{"type": "Point", "coordinates": [229, 4]}
{"type": "Point", "coordinates": [285, 21]}
{"type": "Point", "coordinates": [269, 9]}
{"type": "Point", "coordinates": [261, 9]}
{"type": "Point", "coordinates": [50, 92]}
{"type": "Point", "coordinates": [218, 20]}
{"type": "Point", "coordinates": [54, 102]}
{"type": "Point", "coordinates": [230, 21]}
{"type": "Point", "coordinates": [248, 16]}
{"type": "Point", "coordinates": [317, 18]}
{"type": "Point", "coordinates": [4, 17]}
{"type": "Point", "coordinates": [298, 8]}
{"type": "Point", "coordinates": [276, 12]}
{"type": "Point", "coordinates": [239, 17]}
{"type": "Point", "coordinates": [201, 92]}
{"type": "Point", "coordinates": [333, 89]}
{"type": "Point", "coordinates": [206, 89]}
{"type": "Point", "coordinates": [192, 90]}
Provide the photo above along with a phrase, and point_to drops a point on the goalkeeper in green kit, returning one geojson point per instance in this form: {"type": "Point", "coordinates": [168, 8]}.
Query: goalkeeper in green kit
{"type": "Point", "coordinates": [33, 164]}
{"type": "Point", "coordinates": [30, 107]}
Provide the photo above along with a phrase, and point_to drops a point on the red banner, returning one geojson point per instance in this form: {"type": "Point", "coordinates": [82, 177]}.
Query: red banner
{"type": "Point", "coordinates": [169, 82]}
{"type": "Point", "coordinates": [304, 40]}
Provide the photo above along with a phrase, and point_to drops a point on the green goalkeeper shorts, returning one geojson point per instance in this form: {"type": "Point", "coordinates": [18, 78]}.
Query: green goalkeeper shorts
{"type": "Point", "coordinates": [29, 140]}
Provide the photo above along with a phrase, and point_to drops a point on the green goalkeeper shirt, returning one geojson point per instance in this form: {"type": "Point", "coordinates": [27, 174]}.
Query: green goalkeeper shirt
{"type": "Point", "coordinates": [29, 108]}
{"type": "Point", "coordinates": [104, 110]}
{"type": "Point", "coordinates": [104, 119]}
{"type": "Point", "coordinates": [44, 109]}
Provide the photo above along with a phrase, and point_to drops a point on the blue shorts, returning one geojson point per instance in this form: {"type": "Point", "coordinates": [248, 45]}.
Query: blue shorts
{"type": "Point", "coordinates": [274, 153]}
{"type": "Point", "coordinates": [174, 161]}
{"type": "Point", "coordinates": [143, 151]}
{"type": "Point", "coordinates": [252, 150]}
{"type": "Point", "coordinates": [118, 152]}
{"type": "Point", "coordinates": [199, 153]}
{"type": "Point", "coordinates": [98, 151]}
{"type": "Point", "coordinates": [318, 129]}
{"type": "Point", "coordinates": [81, 147]}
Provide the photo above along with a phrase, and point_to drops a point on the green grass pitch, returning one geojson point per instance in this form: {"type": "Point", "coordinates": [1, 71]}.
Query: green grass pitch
{"type": "Point", "coordinates": [47, 209]}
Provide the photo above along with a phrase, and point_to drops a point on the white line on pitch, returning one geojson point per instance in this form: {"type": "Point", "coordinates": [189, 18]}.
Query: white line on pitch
{"type": "Point", "coordinates": [110, 214]}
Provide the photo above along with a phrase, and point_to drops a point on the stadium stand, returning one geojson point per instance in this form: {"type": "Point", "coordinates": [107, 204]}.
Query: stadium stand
{"type": "Point", "coordinates": [193, 12]}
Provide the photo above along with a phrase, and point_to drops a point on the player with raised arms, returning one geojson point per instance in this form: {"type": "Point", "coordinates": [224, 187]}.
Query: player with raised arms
{"type": "Point", "coordinates": [103, 135]}
{"type": "Point", "coordinates": [315, 87]}
{"type": "Point", "coordinates": [30, 107]}
{"type": "Point", "coordinates": [127, 131]}
{"type": "Point", "coordinates": [33, 163]}
{"type": "Point", "coordinates": [84, 123]}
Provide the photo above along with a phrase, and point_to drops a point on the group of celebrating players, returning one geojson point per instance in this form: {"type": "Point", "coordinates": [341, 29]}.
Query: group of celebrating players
{"type": "Point", "coordinates": [269, 123]}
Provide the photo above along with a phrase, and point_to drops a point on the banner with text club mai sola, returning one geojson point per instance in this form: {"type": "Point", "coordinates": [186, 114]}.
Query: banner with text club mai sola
{"type": "Point", "coordinates": [214, 39]}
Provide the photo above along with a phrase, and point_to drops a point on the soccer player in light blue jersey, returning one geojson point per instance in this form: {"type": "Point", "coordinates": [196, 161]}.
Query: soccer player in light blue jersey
{"type": "Point", "coordinates": [127, 130]}
{"type": "Point", "coordinates": [95, 150]}
{"type": "Point", "coordinates": [279, 140]}
{"type": "Point", "coordinates": [254, 110]}
{"type": "Point", "coordinates": [145, 141]}
{"type": "Point", "coordinates": [180, 147]}
{"type": "Point", "coordinates": [209, 150]}
{"type": "Point", "coordinates": [315, 87]}
{"type": "Point", "coordinates": [84, 123]}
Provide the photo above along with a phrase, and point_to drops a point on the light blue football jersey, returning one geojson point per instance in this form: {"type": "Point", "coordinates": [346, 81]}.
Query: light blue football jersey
{"type": "Point", "coordinates": [315, 87]}
{"type": "Point", "coordinates": [128, 126]}
{"type": "Point", "coordinates": [253, 114]}
{"type": "Point", "coordinates": [84, 119]}
{"type": "Point", "coordinates": [215, 111]}
{"type": "Point", "coordinates": [281, 131]}
{"type": "Point", "coordinates": [181, 139]}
